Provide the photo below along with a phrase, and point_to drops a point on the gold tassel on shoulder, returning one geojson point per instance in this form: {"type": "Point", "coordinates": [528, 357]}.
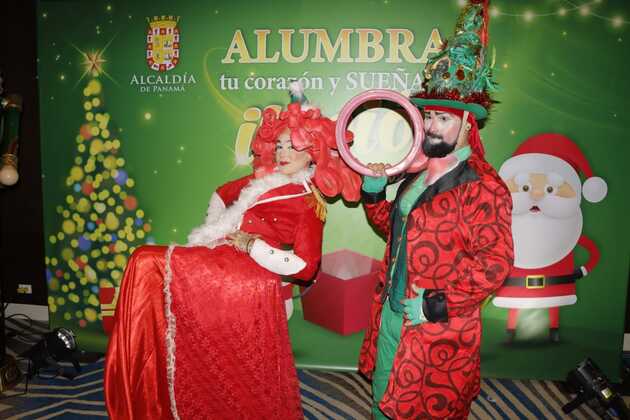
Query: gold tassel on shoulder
{"type": "Point", "coordinates": [316, 201]}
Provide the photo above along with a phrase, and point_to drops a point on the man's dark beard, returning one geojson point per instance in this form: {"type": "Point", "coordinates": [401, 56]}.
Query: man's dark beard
{"type": "Point", "coordinates": [436, 150]}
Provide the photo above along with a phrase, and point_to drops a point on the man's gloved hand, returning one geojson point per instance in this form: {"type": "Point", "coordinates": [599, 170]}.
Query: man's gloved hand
{"type": "Point", "coordinates": [375, 184]}
{"type": "Point", "coordinates": [413, 308]}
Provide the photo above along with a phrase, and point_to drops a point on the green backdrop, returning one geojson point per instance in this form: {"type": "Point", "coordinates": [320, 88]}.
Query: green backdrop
{"type": "Point", "coordinates": [161, 146]}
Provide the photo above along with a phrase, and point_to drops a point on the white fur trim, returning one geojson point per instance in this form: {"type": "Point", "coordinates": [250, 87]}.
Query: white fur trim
{"type": "Point", "coordinates": [212, 234]}
{"type": "Point", "coordinates": [276, 260]}
{"type": "Point", "coordinates": [594, 189]}
{"type": "Point", "coordinates": [215, 208]}
{"type": "Point", "coordinates": [170, 332]}
{"type": "Point", "coordinates": [528, 303]}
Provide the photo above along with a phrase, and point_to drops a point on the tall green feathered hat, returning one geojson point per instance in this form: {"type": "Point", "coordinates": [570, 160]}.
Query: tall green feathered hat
{"type": "Point", "coordinates": [460, 76]}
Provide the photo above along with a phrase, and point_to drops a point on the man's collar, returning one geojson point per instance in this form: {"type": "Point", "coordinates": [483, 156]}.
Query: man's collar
{"type": "Point", "coordinates": [462, 153]}
{"type": "Point", "coordinates": [438, 167]}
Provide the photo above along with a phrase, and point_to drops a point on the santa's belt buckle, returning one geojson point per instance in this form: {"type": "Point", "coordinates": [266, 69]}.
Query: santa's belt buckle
{"type": "Point", "coordinates": [535, 282]}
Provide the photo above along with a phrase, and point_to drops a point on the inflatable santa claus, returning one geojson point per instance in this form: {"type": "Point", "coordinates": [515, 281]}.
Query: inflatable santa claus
{"type": "Point", "coordinates": [546, 189]}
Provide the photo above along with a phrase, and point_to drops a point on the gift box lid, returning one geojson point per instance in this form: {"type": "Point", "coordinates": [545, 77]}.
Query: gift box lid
{"type": "Point", "coordinates": [346, 264]}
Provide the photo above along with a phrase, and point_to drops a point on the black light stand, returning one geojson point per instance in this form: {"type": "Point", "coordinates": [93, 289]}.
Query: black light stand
{"type": "Point", "coordinates": [10, 111]}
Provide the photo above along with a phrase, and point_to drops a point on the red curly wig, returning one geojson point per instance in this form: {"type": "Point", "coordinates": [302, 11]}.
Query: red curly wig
{"type": "Point", "coordinates": [311, 132]}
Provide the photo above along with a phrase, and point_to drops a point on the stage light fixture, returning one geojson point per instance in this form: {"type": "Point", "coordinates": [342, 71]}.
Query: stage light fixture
{"type": "Point", "coordinates": [59, 345]}
{"type": "Point", "coordinates": [592, 387]}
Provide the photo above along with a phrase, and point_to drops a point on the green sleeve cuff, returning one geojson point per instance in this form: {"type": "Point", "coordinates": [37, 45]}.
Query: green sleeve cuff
{"type": "Point", "coordinates": [374, 184]}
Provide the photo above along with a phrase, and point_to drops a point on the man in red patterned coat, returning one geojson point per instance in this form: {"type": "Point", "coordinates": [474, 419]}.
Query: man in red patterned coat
{"type": "Point", "coordinates": [449, 245]}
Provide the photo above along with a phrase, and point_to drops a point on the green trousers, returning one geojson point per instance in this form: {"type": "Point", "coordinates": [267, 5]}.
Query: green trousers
{"type": "Point", "coordinates": [387, 344]}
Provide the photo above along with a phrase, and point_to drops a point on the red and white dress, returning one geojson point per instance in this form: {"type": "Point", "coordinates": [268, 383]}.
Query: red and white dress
{"type": "Point", "coordinates": [201, 331]}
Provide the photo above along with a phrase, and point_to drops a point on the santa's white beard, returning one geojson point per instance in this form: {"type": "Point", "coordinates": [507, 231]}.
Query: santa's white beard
{"type": "Point", "coordinates": [545, 237]}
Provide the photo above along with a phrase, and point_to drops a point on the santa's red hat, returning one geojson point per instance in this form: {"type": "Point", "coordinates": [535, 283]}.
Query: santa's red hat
{"type": "Point", "coordinates": [555, 153]}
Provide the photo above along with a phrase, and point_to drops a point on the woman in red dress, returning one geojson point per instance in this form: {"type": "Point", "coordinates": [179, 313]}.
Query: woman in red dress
{"type": "Point", "coordinates": [200, 330]}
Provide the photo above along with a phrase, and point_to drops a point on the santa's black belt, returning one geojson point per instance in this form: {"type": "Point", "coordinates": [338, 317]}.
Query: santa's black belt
{"type": "Point", "coordinates": [538, 281]}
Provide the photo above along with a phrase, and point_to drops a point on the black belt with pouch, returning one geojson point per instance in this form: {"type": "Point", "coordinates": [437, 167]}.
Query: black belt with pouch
{"type": "Point", "coordinates": [434, 305]}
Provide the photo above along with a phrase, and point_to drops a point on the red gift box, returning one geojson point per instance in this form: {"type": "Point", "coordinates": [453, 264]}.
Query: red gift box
{"type": "Point", "coordinates": [108, 297]}
{"type": "Point", "coordinates": [341, 297]}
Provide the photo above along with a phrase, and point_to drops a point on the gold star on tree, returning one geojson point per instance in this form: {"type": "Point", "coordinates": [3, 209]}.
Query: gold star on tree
{"type": "Point", "coordinates": [93, 63]}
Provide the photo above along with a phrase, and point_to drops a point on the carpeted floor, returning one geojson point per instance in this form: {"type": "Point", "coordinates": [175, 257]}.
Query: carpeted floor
{"type": "Point", "coordinates": [325, 394]}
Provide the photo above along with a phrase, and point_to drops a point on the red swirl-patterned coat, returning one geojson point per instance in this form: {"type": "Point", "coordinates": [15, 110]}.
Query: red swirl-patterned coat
{"type": "Point", "coordinates": [459, 241]}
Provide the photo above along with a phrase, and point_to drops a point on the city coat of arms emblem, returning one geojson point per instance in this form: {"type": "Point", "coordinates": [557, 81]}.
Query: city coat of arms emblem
{"type": "Point", "coordinates": [163, 43]}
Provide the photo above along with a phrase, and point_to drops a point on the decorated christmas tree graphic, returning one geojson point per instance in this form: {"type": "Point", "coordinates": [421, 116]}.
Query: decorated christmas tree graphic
{"type": "Point", "coordinates": [101, 222]}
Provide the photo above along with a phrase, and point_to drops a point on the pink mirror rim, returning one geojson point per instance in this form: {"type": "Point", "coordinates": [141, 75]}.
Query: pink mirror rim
{"type": "Point", "coordinates": [379, 94]}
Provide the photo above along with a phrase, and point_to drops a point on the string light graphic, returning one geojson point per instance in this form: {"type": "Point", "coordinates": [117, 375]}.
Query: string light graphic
{"type": "Point", "coordinates": [584, 9]}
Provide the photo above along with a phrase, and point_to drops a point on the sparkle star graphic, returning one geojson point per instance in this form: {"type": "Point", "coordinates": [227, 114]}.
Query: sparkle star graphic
{"type": "Point", "coordinates": [93, 62]}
